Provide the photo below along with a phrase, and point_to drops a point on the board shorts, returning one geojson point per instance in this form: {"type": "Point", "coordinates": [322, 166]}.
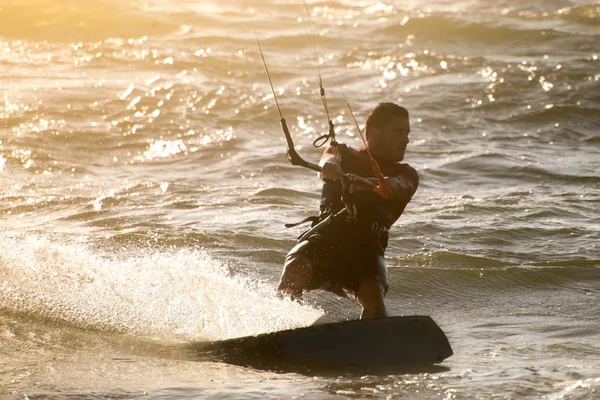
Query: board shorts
{"type": "Point", "coordinates": [343, 259]}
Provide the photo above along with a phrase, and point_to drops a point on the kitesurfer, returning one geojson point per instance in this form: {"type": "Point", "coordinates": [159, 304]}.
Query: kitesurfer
{"type": "Point", "coordinates": [346, 255]}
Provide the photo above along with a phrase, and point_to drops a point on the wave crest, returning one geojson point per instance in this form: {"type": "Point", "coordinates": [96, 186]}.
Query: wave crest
{"type": "Point", "coordinates": [73, 21]}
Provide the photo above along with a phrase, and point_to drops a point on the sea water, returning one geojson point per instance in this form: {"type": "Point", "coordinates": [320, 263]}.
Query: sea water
{"type": "Point", "coordinates": [144, 190]}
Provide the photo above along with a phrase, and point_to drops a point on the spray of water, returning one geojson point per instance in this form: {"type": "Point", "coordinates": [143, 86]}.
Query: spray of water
{"type": "Point", "coordinates": [183, 294]}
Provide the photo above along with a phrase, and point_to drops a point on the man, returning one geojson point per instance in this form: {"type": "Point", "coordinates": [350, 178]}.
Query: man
{"type": "Point", "coordinates": [346, 256]}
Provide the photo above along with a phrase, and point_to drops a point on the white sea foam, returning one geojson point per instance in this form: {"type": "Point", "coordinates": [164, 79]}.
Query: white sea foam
{"type": "Point", "coordinates": [183, 294]}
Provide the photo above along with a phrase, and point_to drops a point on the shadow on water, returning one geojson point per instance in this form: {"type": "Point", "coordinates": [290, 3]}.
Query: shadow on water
{"type": "Point", "coordinates": [277, 365]}
{"type": "Point", "coordinates": [270, 361]}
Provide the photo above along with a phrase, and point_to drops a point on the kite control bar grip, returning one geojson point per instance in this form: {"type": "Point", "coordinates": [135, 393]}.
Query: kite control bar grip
{"type": "Point", "coordinates": [292, 156]}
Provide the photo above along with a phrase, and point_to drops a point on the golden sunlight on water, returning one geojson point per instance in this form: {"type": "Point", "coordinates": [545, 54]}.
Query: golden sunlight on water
{"type": "Point", "coordinates": [76, 20]}
{"type": "Point", "coordinates": [144, 184]}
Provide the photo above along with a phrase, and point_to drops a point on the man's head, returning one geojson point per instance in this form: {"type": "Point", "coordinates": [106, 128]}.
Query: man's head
{"type": "Point", "coordinates": [387, 130]}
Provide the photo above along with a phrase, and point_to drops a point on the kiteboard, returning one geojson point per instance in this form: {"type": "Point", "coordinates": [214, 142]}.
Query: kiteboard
{"type": "Point", "coordinates": [400, 341]}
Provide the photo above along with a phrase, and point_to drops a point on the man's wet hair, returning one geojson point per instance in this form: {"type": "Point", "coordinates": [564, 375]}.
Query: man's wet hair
{"type": "Point", "coordinates": [382, 113]}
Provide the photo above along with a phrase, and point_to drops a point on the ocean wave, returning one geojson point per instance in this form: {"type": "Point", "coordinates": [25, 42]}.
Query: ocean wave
{"type": "Point", "coordinates": [73, 21]}
{"type": "Point", "coordinates": [503, 166]}
{"type": "Point", "coordinates": [456, 28]}
{"type": "Point", "coordinates": [448, 260]}
{"type": "Point", "coordinates": [588, 14]}
{"type": "Point", "coordinates": [489, 275]}
{"type": "Point", "coordinates": [585, 116]}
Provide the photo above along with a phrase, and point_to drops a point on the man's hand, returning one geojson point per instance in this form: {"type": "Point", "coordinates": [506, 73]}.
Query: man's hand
{"type": "Point", "coordinates": [329, 168]}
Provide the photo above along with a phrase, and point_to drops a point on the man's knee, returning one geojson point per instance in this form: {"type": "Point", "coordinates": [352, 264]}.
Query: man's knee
{"type": "Point", "coordinates": [297, 268]}
{"type": "Point", "coordinates": [296, 276]}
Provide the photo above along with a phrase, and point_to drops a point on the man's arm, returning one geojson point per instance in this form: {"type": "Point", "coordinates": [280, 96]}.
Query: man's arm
{"type": "Point", "coordinates": [405, 185]}
{"type": "Point", "coordinates": [402, 185]}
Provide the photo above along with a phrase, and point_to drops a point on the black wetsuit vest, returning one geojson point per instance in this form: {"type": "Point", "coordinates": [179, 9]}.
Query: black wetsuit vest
{"type": "Point", "coordinates": [371, 208]}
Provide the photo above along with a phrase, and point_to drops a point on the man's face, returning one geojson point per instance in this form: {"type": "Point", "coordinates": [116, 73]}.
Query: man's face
{"type": "Point", "coordinates": [389, 143]}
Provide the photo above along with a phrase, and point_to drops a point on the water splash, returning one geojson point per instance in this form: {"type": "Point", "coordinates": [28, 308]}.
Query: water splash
{"type": "Point", "coordinates": [184, 294]}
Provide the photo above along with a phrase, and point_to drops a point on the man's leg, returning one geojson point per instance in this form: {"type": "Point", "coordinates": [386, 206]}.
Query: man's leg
{"type": "Point", "coordinates": [296, 276]}
{"type": "Point", "coordinates": [370, 297]}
